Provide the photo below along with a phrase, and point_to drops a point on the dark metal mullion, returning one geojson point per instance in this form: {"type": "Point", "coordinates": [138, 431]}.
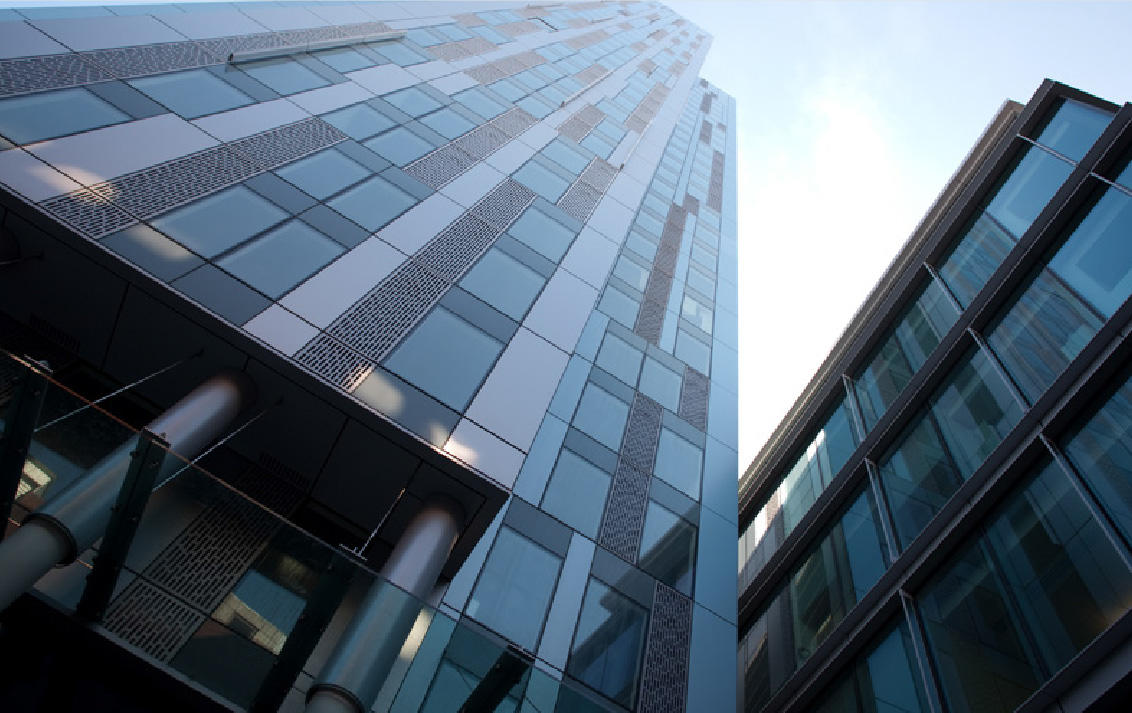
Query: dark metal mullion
{"type": "Point", "coordinates": [930, 677]}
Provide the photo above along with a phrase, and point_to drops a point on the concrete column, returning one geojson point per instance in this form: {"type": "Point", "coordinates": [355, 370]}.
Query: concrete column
{"type": "Point", "coordinates": [73, 520]}
{"type": "Point", "coordinates": [353, 675]}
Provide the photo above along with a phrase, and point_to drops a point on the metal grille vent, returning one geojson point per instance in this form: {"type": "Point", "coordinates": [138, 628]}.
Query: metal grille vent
{"type": "Point", "coordinates": [642, 434]}
{"type": "Point", "coordinates": [482, 141]}
{"type": "Point", "coordinates": [286, 143]}
{"type": "Point", "coordinates": [504, 203]}
{"type": "Point", "coordinates": [452, 252]}
{"type": "Point", "coordinates": [35, 74]}
{"type": "Point", "coordinates": [334, 362]}
{"type": "Point", "coordinates": [514, 122]}
{"type": "Point", "coordinates": [152, 620]}
{"type": "Point", "coordinates": [128, 62]}
{"type": "Point", "coordinates": [625, 513]}
{"type": "Point", "coordinates": [440, 167]}
{"type": "Point", "coordinates": [664, 684]}
{"type": "Point", "coordinates": [694, 398]}
{"type": "Point", "coordinates": [88, 213]}
{"type": "Point", "coordinates": [380, 319]}
{"type": "Point", "coordinates": [580, 200]}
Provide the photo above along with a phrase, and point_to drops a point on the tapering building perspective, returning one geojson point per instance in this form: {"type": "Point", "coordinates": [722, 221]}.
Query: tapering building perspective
{"type": "Point", "coordinates": [366, 356]}
{"type": "Point", "coordinates": [943, 521]}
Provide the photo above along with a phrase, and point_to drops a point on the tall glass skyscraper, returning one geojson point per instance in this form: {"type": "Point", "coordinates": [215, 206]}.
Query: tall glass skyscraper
{"type": "Point", "coordinates": [941, 523]}
{"type": "Point", "coordinates": [366, 356]}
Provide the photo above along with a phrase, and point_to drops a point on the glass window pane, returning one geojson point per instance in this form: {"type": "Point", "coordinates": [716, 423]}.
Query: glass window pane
{"type": "Point", "coordinates": [881, 381]}
{"type": "Point", "coordinates": [343, 59]}
{"type": "Point", "coordinates": [619, 306]}
{"type": "Point", "coordinates": [219, 222]}
{"type": "Point", "coordinates": [412, 101]}
{"type": "Point", "coordinates": [692, 351]}
{"type": "Point", "coordinates": [447, 123]}
{"type": "Point", "coordinates": [925, 324]}
{"type": "Point", "coordinates": [400, 146]}
{"type": "Point", "coordinates": [918, 479]}
{"type": "Point", "coordinates": [975, 258]}
{"type": "Point", "coordinates": [1074, 129]}
{"type": "Point", "coordinates": [608, 643]}
{"type": "Point", "coordinates": [373, 203]}
{"type": "Point", "coordinates": [446, 357]}
{"type": "Point", "coordinates": [697, 313]}
{"type": "Point", "coordinates": [1095, 260]}
{"type": "Point", "coordinates": [514, 588]}
{"type": "Point", "coordinates": [602, 415]}
{"type": "Point", "coordinates": [661, 384]}
{"type": "Point", "coordinates": [285, 76]}
{"type": "Point", "coordinates": [1102, 453]}
{"type": "Point", "coordinates": [478, 102]}
{"type": "Point", "coordinates": [542, 180]}
{"type": "Point", "coordinates": [668, 548]}
{"type": "Point", "coordinates": [975, 410]}
{"type": "Point", "coordinates": [504, 283]}
{"type": "Point", "coordinates": [359, 121]}
{"type": "Point", "coordinates": [576, 493]}
{"type": "Point", "coordinates": [398, 53]}
{"type": "Point", "coordinates": [565, 156]}
{"type": "Point", "coordinates": [632, 273]}
{"type": "Point", "coordinates": [279, 260]}
{"type": "Point", "coordinates": [620, 359]}
{"type": "Point", "coordinates": [323, 174]}
{"type": "Point", "coordinates": [679, 463]}
{"type": "Point", "coordinates": [542, 233]}
{"type": "Point", "coordinates": [46, 115]}
{"type": "Point", "coordinates": [191, 94]}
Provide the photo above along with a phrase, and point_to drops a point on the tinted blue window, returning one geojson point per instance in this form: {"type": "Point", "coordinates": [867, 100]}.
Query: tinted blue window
{"type": "Point", "coordinates": [514, 588]}
{"type": "Point", "coordinates": [47, 115]}
{"type": "Point", "coordinates": [542, 233]}
{"type": "Point", "coordinates": [1074, 129]}
{"type": "Point", "coordinates": [373, 203]}
{"type": "Point", "coordinates": [602, 416]}
{"type": "Point", "coordinates": [478, 102]}
{"type": "Point", "coordinates": [285, 76]}
{"type": "Point", "coordinates": [576, 493]}
{"type": "Point", "coordinates": [447, 123]}
{"type": "Point", "coordinates": [566, 156]}
{"type": "Point", "coordinates": [608, 643]}
{"type": "Point", "coordinates": [1030, 187]}
{"type": "Point", "coordinates": [193, 93]}
{"type": "Point", "coordinates": [679, 463]}
{"type": "Point", "coordinates": [412, 101]}
{"type": "Point", "coordinates": [344, 59]}
{"type": "Point", "coordinates": [504, 283]}
{"type": "Point", "coordinates": [359, 121]}
{"type": "Point", "coordinates": [219, 222]}
{"type": "Point", "coordinates": [399, 146]}
{"type": "Point", "coordinates": [279, 260]}
{"type": "Point", "coordinates": [323, 174]}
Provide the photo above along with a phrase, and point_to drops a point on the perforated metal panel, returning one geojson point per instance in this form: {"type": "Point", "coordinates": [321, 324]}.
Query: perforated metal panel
{"type": "Point", "coordinates": [705, 132]}
{"type": "Point", "coordinates": [485, 73]}
{"type": "Point", "coordinates": [326, 356]}
{"type": "Point", "coordinates": [450, 51]}
{"type": "Point", "coordinates": [650, 321]}
{"type": "Point", "coordinates": [624, 517]}
{"type": "Point", "coordinates": [459, 245]}
{"type": "Point", "coordinates": [590, 114]}
{"type": "Point", "coordinates": [590, 38]}
{"type": "Point", "coordinates": [469, 19]}
{"type": "Point", "coordinates": [591, 74]}
{"type": "Point", "coordinates": [514, 122]}
{"type": "Point", "coordinates": [694, 398]}
{"type": "Point", "coordinates": [580, 200]}
{"type": "Point", "coordinates": [599, 174]}
{"type": "Point", "coordinates": [518, 29]}
{"type": "Point", "coordinates": [88, 213]}
{"type": "Point", "coordinates": [440, 167]}
{"type": "Point", "coordinates": [575, 128]}
{"type": "Point", "coordinates": [481, 141]}
{"type": "Point", "coordinates": [384, 316]}
{"type": "Point", "coordinates": [35, 74]}
{"type": "Point", "coordinates": [691, 205]}
{"type": "Point", "coordinates": [128, 62]}
{"type": "Point", "coordinates": [504, 203]}
{"type": "Point", "coordinates": [284, 144]}
{"type": "Point", "coordinates": [642, 434]}
{"type": "Point", "coordinates": [664, 683]}
{"type": "Point", "coordinates": [152, 620]}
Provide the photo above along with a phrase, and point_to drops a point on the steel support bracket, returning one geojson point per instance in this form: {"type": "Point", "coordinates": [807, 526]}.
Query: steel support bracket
{"type": "Point", "coordinates": [18, 432]}
{"type": "Point", "coordinates": [145, 463]}
{"type": "Point", "coordinates": [507, 671]}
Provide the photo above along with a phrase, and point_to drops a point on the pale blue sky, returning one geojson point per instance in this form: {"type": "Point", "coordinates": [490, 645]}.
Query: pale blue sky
{"type": "Point", "coordinates": [852, 117]}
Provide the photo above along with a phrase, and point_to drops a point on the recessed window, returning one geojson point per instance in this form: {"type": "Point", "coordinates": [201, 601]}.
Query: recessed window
{"type": "Point", "coordinates": [323, 174]}
{"type": "Point", "coordinates": [219, 222]}
{"type": "Point", "coordinates": [661, 384]}
{"type": "Point", "coordinates": [197, 92]}
{"type": "Point", "coordinates": [514, 589]}
{"type": "Point", "coordinates": [620, 358]}
{"type": "Point", "coordinates": [692, 351]}
{"type": "Point", "coordinates": [373, 204]}
{"type": "Point", "coordinates": [619, 306]}
{"type": "Point", "coordinates": [279, 260]}
{"type": "Point", "coordinates": [632, 273]}
{"type": "Point", "coordinates": [48, 115]}
{"type": "Point", "coordinates": [344, 59]}
{"type": "Point", "coordinates": [446, 357]}
{"type": "Point", "coordinates": [478, 102]}
{"type": "Point", "coordinates": [668, 548]}
{"type": "Point", "coordinates": [566, 156]}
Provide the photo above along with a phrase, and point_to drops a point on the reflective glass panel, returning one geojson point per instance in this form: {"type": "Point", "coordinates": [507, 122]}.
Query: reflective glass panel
{"type": "Point", "coordinates": [219, 222]}
{"type": "Point", "coordinates": [565, 156]}
{"type": "Point", "coordinates": [542, 233]}
{"type": "Point", "coordinates": [1074, 128]}
{"type": "Point", "coordinates": [886, 681]}
{"type": "Point", "coordinates": [661, 384]}
{"type": "Point", "coordinates": [359, 121]}
{"type": "Point", "coordinates": [602, 415]}
{"type": "Point", "coordinates": [447, 123]}
{"type": "Point", "coordinates": [542, 180]}
{"type": "Point", "coordinates": [620, 359]}
{"type": "Point", "coordinates": [46, 115]}
{"type": "Point", "coordinates": [323, 174]}
{"type": "Point", "coordinates": [190, 94]}
{"type": "Point", "coordinates": [504, 283]}
{"type": "Point", "coordinates": [918, 478]}
{"type": "Point", "coordinates": [343, 59]}
{"type": "Point", "coordinates": [478, 102]}
{"type": "Point", "coordinates": [400, 146]}
{"type": "Point", "coordinates": [697, 313]}
{"type": "Point", "coordinates": [692, 351]}
{"type": "Point", "coordinates": [412, 101]}
{"type": "Point", "coordinates": [372, 204]}
{"type": "Point", "coordinates": [1095, 261]}
{"type": "Point", "coordinates": [285, 76]}
{"type": "Point", "coordinates": [619, 306]}
{"type": "Point", "coordinates": [679, 463]}
{"type": "Point", "coordinates": [279, 260]}
{"type": "Point", "coordinates": [632, 273]}
{"type": "Point", "coordinates": [668, 548]}
{"type": "Point", "coordinates": [609, 643]}
{"type": "Point", "coordinates": [576, 493]}
{"type": "Point", "coordinates": [514, 588]}
{"type": "Point", "coordinates": [447, 357]}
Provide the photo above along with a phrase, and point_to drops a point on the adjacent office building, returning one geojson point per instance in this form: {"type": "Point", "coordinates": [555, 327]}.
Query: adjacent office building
{"type": "Point", "coordinates": [942, 522]}
{"type": "Point", "coordinates": [366, 356]}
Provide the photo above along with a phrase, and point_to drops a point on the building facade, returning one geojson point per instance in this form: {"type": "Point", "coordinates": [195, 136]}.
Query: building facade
{"type": "Point", "coordinates": [941, 521]}
{"type": "Point", "coordinates": [366, 356]}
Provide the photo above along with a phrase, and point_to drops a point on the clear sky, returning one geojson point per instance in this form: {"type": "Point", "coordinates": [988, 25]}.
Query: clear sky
{"type": "Point", "coordinates": [852, 117]}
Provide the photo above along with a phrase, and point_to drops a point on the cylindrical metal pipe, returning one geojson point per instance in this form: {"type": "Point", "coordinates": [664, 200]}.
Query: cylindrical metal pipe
{"type": "Point", "coordinates": [76, 517]}
{"type": "Point", "coordinates": [368, 648]}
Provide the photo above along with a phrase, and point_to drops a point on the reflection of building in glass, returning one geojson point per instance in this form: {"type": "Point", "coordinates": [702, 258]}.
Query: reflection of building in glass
{"type": "Point", "coordinates": [941, 523]}
{"type": "Point", "coordinates": [440, 307]}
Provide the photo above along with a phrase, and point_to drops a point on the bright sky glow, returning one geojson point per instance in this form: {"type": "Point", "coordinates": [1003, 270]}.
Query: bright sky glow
{"type": "Point", "coordinates": [852, 117]}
